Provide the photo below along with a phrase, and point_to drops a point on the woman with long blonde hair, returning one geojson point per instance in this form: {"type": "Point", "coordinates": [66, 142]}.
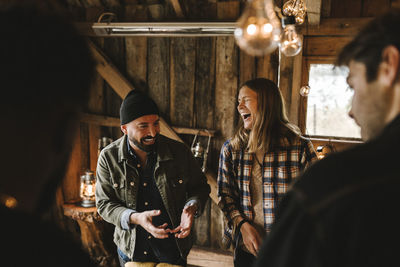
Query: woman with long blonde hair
{"type": "Point", "coordinates": [257, 165]}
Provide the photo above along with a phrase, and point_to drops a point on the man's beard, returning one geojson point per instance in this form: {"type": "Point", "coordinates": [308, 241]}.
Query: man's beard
{"type": "Point", "coordinates": [140, 144]}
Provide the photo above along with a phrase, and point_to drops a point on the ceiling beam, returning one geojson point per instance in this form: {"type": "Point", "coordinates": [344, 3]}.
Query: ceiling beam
{"type": "Point", "coordinates": [177, 8]}
{"type": "Point", "coordinates": [110, 73]}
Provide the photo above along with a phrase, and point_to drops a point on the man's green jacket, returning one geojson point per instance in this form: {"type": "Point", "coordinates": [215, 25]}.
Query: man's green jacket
{"type": "Point", "coordinates": [177, 175]}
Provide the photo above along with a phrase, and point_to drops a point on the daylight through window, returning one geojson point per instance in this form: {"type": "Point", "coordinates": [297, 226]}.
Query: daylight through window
{"type": "Point", "coordinates": [329, 102]}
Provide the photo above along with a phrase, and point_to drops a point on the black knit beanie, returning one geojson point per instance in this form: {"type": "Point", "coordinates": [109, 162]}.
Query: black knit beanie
{"type": "Point", "coordinates": [135, 105]}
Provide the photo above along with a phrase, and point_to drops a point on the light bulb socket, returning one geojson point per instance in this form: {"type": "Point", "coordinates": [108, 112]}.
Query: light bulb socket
{"type": "Point", "coordinates": [288, 20]}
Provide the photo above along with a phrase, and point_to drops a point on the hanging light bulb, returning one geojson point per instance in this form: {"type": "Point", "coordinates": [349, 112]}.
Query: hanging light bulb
{"type": "Point", "coordinates": [258, 28]}
{"type": "Point", "coordinates": [305, 90]}
{"type": "Point", "coordinates": [288, 8]}
{"type": "Point", "coordinates": [295, 8]}
{"type": "Point", "coordinates": [291, 43]}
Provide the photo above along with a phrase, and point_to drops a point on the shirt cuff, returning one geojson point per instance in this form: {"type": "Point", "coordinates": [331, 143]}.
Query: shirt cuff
{"type": "Point", "coordinates": [194, 202]}
{"type": "Point", "coordinates": [125, 222]}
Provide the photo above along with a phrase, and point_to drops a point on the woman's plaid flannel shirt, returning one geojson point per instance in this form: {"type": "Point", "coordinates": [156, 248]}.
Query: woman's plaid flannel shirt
{"type": "Point", "coordinates": [279, 169]}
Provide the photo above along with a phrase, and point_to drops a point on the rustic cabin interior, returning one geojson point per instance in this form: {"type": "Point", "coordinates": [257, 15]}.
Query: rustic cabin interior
{"type": "Point", "coordinates": [193, 76]}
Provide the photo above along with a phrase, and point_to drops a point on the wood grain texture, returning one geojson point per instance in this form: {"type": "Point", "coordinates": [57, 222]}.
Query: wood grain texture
{"type": "Point", "coordinates": [324, 45]}
{"type": "Point", "coordinates": [373, 8]}
{"type": "Point", "coordinates": [204, 102]}
{"type": "Point", "coordinates": [136, 60]}
{"type": "Point", "coordinates": [247, 67]}
{"type": "Point", "coordinates": [109, 72]}
{"type": "Point", "coordinates": [293, 107]}
{"type": "Point", "coordinates": [182, 75]}
{"type": "Point", "coordinates": [158, 73]}
{"type": "Point", "coordinates": [268, 66]}
{"type": "Point", "coordinates": [95, 105]}
{"type": "Point", "coordinates": [346, 9]}
{"type": "Point", "coordinates": [335, 27]}
{"type": "Point", "coordinates": [228, 10]}
{"type": "Point", "coordinates": [226, 84]}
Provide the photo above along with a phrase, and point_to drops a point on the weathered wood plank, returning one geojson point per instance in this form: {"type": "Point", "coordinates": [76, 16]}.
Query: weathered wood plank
{"type": "Point", "coordinates": [158, 72]}
{"type": "Point", "coordinates": [115, 50]}
{"type": "Point", "coordinates": [95, 105]}
{"type": "Point", "coordinates": [346, 9]}
{"type": "Point", "coordinates": [225, 104]}
{"type": "Point", "coordinates": [100, 120]}
{"type": "Point", "coordinates": [177, 8]}
{"type": "Point", "coordinates": [303, 99]}
{"type": "Point", "coordinates": [200, 10]}
{"type": "Point", "coordinates": [324, 45]}
{"type": "Point", "coordinates": [182, 74]}
{"type": "Point", "coordinates": [136, 60]}
{"type": "Point", "coordinates": [326, 9]}
{"type": "Point", "coordinates": [193, 131]}
{"type": "Point", "coordinates": [286, 79]}
{"type": "Point", "coordinates": [204, 105]}
{"type": "Point", "coordinates": [293, 108]}
{"type": "Point", "coordinates": [373, 8]}
{"type": "Point", "coordinates": [156, 9]}
{"type": "Point", "coordinates": [229, 10]}
{"type": "Point", "coordinates": [205, 83]}
{"type": "Point", "coordinates": [226, 86]}
{"type": "Point", "coordinates": [110, 73]}
{"type": "Point", "coordinates": [135, 12]}
{"type": "Point", "coordinates": [247, 67]}
{"type": "Point", "coordinates": [335, 27]}
{"type": "Point", "coordinates": [268, 66]}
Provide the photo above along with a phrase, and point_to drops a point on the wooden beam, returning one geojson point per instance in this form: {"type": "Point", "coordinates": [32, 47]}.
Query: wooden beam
{"type": "Point", "coordinates": [110, 73]}
{"type": "Point", "coordinates": [100, 120]}
{"type": "Point", "coordinates": [313, 11]}
{"type": "Point", "coordinates": [335, 27]}
{"type": "Point", "coordinates": [201, 132]}
{"type": "Point", "coordinates": [177, 8]}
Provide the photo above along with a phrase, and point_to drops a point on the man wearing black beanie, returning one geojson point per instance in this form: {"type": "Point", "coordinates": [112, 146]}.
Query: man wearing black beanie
{"type": "Point", "coordinates": [150, 187]}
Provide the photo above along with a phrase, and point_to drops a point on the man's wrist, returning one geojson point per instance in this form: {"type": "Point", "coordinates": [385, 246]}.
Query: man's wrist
{"type": "Point", "coordinates": [193, 208]}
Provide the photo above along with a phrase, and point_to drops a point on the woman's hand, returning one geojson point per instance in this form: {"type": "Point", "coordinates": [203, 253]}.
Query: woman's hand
{"type": "Point", "coordinates": [251, 238]}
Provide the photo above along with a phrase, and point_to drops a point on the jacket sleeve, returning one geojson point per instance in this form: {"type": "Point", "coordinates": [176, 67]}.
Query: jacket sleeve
{"type": "Point", "coordinates": [108, 205]}
{"type": "Point", "coordinates": [228, 190]}
{"type": "Point", "coordinates": [292, 240]}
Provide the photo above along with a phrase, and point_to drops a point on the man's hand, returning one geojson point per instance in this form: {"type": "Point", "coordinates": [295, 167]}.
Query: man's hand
{"type": "Point", "coordinates": [187, 217]}
{"type": "Point", "coordinates": [145, 219]}
{"type": "Point", "coordinates": [251, 238]}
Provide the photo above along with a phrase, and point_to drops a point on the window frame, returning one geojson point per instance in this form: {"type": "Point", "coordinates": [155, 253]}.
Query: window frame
{"type": "Point", "coordinates": [307, 61]}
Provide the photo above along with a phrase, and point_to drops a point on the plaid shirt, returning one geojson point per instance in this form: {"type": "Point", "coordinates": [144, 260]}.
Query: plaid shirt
{"type": "Point", "coordinates": [279, 168]}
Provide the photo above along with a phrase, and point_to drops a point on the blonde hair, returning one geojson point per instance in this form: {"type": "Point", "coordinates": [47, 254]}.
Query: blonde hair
{"type": "Point", "coordinates": [270, 124]}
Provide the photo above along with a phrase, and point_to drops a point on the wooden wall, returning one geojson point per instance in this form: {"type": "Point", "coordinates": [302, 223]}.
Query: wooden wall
{"type": "Point", "coordinates": [194, 80]}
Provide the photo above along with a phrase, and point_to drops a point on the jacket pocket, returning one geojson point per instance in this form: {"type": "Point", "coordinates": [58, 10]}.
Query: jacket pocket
{"type": "Point", "coordinates": [119, 188]}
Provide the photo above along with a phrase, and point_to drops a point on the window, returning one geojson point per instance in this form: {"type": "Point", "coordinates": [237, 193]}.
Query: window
{"type": "Point", "coordinates": [329, 102]}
